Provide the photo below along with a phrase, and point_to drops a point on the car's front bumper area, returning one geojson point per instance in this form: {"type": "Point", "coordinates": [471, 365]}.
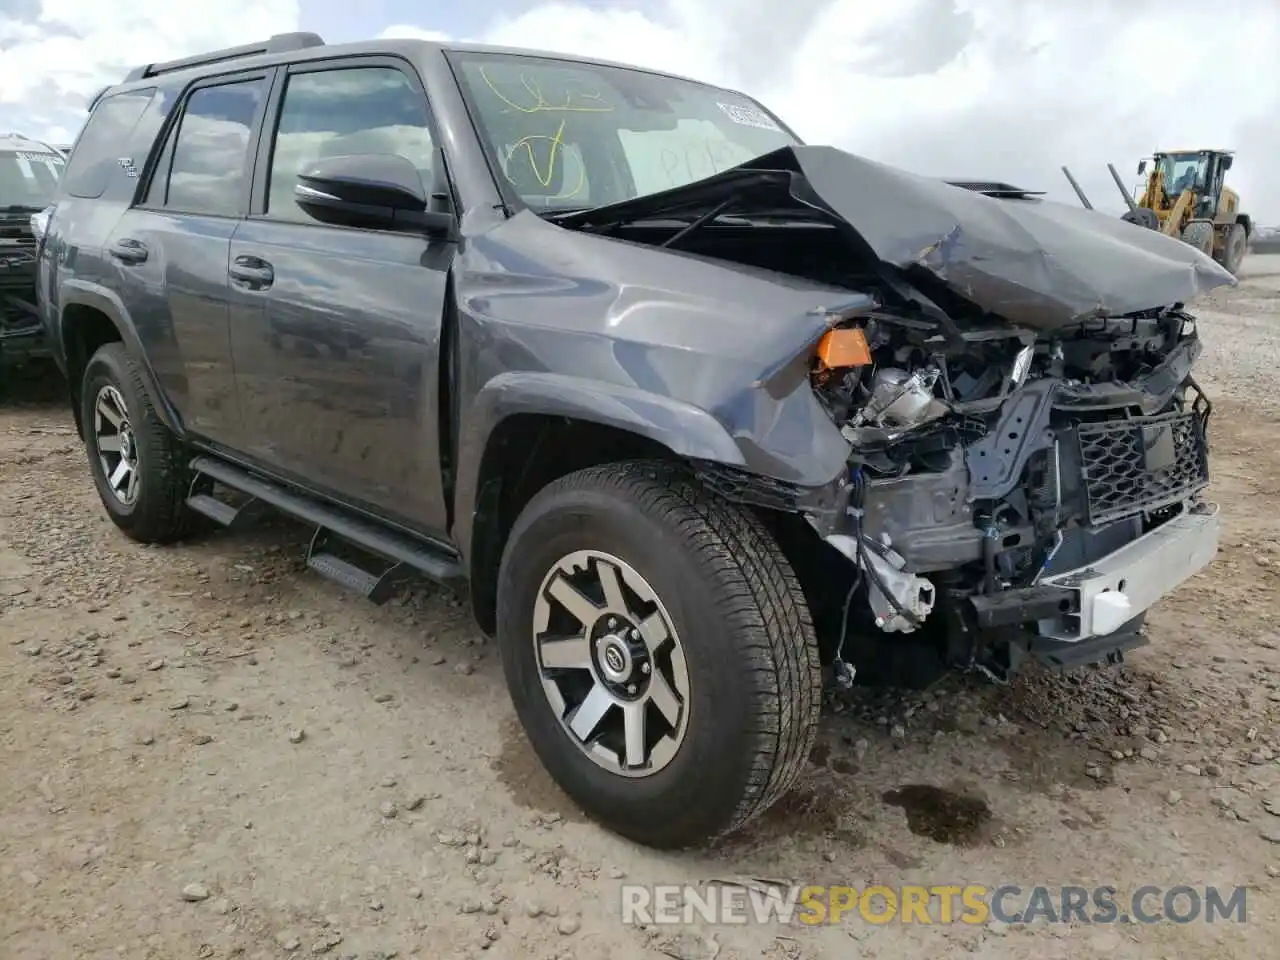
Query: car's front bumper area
{"type": "Point", "coordinates": [1099, 599]}
{"type": "Point", "coordinates": [21, 333]}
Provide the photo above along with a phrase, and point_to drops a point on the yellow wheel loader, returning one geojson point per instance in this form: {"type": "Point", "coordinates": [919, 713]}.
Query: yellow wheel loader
{"type": "Point", "coordinates": [1184, 196]}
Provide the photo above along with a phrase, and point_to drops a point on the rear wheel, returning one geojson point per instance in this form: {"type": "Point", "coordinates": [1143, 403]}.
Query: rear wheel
{"type": "Point", "coordinates": [136, 462]}
{"type": "Point", "coordinates": [658, 651]}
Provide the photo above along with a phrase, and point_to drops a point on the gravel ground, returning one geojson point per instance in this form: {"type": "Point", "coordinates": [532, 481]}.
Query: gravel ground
{"type": "Point", "coordinates": [208, 752]}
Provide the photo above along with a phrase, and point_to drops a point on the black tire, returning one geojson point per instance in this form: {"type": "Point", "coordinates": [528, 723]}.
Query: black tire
{"type": "Point", "coordinates": [1142, 217]}
{"type": "Point", "coordinates": [1233, 249]}
{"type": "Point", "coordinates": [158, 513]}
{"type": "Point", "coordinates": [1199, 234]}
{"type": "Point", "coordinates": [748, 640]}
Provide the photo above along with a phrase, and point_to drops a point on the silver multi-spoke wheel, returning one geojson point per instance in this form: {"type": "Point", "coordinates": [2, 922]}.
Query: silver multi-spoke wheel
{"type": "Point", "coordinates": [115, 444]}
{"type": "Point", "coordinates": [611, 663]}
{"type": "Point", "coordinates": [673, 695]}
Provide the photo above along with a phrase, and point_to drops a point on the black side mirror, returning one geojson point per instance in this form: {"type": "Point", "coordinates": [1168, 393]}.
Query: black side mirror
{"type": "Point", "coordinates": [1142, 167]}
{"type": "Point", "coordinates": [370, 190]}
{"type": "Point", "coordinates": [1226, 162]}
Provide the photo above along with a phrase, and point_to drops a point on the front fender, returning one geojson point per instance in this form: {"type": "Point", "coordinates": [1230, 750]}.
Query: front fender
{"type": "Point", "coordinates": [74, 292]}
{"type": "Point", "coordinates": [682, 428]}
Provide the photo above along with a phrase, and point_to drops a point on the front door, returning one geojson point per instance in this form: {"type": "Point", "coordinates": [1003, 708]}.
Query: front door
{"type": "Point", "coordinates": [336, 330]}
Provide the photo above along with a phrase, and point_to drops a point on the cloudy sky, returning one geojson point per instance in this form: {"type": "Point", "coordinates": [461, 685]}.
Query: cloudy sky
{"type": "Point", "coordinates": [1005, 89]}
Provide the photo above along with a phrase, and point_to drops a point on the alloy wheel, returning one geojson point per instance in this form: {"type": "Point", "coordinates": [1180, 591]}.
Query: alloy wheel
{"type": "Point", "coordinates": [611, 664]}
{"type": "Point", "coordinates": [116, 445]}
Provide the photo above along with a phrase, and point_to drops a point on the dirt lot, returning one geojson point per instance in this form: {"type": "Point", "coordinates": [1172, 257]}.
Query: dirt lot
{"type": "Point", "coordinates": [206, 751]}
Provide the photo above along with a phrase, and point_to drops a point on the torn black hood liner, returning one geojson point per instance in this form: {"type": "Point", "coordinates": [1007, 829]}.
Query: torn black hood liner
{"type": "Point", "coordinates": [1036, 263]}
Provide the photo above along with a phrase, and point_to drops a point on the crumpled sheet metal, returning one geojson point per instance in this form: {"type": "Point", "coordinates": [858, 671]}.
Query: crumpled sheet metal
{"type": "Point", "coordinates": [1033, 262]}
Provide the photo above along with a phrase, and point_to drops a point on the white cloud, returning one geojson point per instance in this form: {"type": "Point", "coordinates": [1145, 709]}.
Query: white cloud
{"type": "Point", "coordinates": [1008, 89]}
{"type": "Point", "coordinates": [401, 31]}
{"type": "Point", "coordinates": [51, 64]}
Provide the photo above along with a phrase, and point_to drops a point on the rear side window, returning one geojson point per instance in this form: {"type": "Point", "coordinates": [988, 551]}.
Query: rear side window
{"type": "Point", "coordinates": [103, 143]}
{"type": "Point", "coordinates": [210, 169]}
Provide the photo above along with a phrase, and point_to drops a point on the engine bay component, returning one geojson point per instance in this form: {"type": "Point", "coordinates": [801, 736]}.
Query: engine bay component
{"type": "Point", "coordinates": [843, 347]}
{"type": "Point", "coordinates": [981, 473]}
{"type": "Point", "coordinates": [1021, 367]}
{"type": "Point", "coordinates": [899, 600]}
{"type": "Point", "coordinates": [902, 400]}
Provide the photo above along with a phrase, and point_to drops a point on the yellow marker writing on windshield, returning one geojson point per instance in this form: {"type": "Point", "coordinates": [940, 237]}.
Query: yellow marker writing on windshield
{"type": "Point", "coordinates": [557, 143]}
{"type": "Point", "coordinates": [595, 99]}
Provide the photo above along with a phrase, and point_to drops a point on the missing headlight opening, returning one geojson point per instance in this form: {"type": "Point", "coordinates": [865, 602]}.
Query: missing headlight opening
{"type": "Point", "coordinates": [995, 484]}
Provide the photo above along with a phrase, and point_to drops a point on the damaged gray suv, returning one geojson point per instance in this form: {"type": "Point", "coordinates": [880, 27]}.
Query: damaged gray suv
{"type": "Point", "coordinates": [701, 415]}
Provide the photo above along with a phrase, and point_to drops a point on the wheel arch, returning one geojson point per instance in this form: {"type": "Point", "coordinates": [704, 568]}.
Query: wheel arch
{"type": "Point", "coordinates": [528, 429]}
{"type": "Point", "coordinates": [91, 316]}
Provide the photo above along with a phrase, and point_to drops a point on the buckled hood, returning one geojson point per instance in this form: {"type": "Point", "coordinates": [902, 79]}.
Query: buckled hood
{"type": "Point", "coordinates": [1034, 262]}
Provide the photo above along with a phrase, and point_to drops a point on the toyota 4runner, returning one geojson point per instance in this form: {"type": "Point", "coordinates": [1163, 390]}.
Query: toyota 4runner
{"type": "Point", "coordinates": [695, 410]}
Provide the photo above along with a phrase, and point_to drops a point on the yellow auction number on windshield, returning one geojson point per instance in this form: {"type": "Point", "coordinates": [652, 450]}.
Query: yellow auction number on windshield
{"type": "Point", "coordinates": [545, 173]}
{"type": "Point", "coordinates": [583, 100]}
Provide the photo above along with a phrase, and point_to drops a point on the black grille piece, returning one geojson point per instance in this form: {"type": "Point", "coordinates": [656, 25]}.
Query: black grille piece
{"type": "Point", "coordinates": [752, 489]}
{"type": "Point", "coordinates": [1142, 464]}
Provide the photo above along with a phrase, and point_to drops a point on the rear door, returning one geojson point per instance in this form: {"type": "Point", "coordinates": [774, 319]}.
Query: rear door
{"type": "Point", "coordinates": [169, 252]}
{"type": "Point", "coordinates": [336, 330]}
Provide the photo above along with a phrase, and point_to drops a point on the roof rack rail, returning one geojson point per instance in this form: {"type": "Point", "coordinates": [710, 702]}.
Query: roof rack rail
{"type": "Point", "coordinates": [93, 101]}
{"type": "Point", "coordinates": [280, 43]}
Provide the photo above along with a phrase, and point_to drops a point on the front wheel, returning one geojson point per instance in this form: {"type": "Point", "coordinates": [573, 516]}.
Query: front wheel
{"type": "Point", "coordinates": [659, 652]}
{"type": "Point", "coordinates": [1199, 234]}
{"type": "Point", "coordinates": [1233, 249]}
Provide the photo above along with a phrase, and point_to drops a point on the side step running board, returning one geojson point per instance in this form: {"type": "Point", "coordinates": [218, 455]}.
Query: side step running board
{"type": "Point", "coordinates": [377, 587]}
{"type": "Point", "coordinates": [332, 526]}
{"type": "Point", "coordinates": [220, 512]}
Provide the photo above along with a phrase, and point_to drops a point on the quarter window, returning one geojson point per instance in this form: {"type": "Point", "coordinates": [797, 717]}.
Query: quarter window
{"type": "Point", "coordinates": [102, 143]}
{"type": "Point", "coordinates": [336, 113]}
{"type": "Point", "coordinates": [210, 156]}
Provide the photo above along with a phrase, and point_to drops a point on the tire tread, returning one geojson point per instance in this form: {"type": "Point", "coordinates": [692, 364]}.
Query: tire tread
{"type": "Point", "coordinates": [163, 516]}
{"type": "Point", "coordinates": [759, 595]}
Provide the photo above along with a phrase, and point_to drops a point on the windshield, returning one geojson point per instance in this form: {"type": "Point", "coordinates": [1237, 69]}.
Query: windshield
{"type": "Point", "coordinates": [28, 179]}
{"type": "Point", "coordinates": [569, 135]}
{"type": "Point", "coordinates": [1183, 171]}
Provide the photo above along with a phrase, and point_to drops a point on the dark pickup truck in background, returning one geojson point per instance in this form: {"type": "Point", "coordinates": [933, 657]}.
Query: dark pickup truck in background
{"type": "Point", "coordinates": [29, 173]}
{"type": "Point", "coordinates": [694, 410]}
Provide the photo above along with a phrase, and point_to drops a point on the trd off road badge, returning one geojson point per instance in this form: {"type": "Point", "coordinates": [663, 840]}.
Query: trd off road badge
{"type": "Point", "coordinates": [127, 165]}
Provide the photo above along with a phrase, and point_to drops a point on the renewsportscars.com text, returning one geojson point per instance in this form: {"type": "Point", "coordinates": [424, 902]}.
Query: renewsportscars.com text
{"type": "Point", "coordinates": [942, 904]}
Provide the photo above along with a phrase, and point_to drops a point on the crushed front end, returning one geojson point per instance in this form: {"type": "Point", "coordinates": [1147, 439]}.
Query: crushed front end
{"type": "Point", "coordinates": [21, 334]}
{"type": "Point", "coordinates": [1018, 493]}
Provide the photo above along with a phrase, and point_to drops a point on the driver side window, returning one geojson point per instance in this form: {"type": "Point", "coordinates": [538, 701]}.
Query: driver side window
{"type": "Point", "coordinates": [333, 113]}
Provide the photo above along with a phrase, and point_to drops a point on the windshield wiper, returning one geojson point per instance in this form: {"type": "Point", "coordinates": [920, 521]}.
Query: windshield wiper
{"type": "Point", "coordinates": [559, 213]}
{"type": "Point", "coordinates": [702, 220]}
{"type": "Point", "coordinates": [716, 213]}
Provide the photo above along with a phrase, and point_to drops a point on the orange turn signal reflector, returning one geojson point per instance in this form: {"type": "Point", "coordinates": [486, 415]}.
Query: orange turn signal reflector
{"type": "Point", "coordinates": [844, 347]}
